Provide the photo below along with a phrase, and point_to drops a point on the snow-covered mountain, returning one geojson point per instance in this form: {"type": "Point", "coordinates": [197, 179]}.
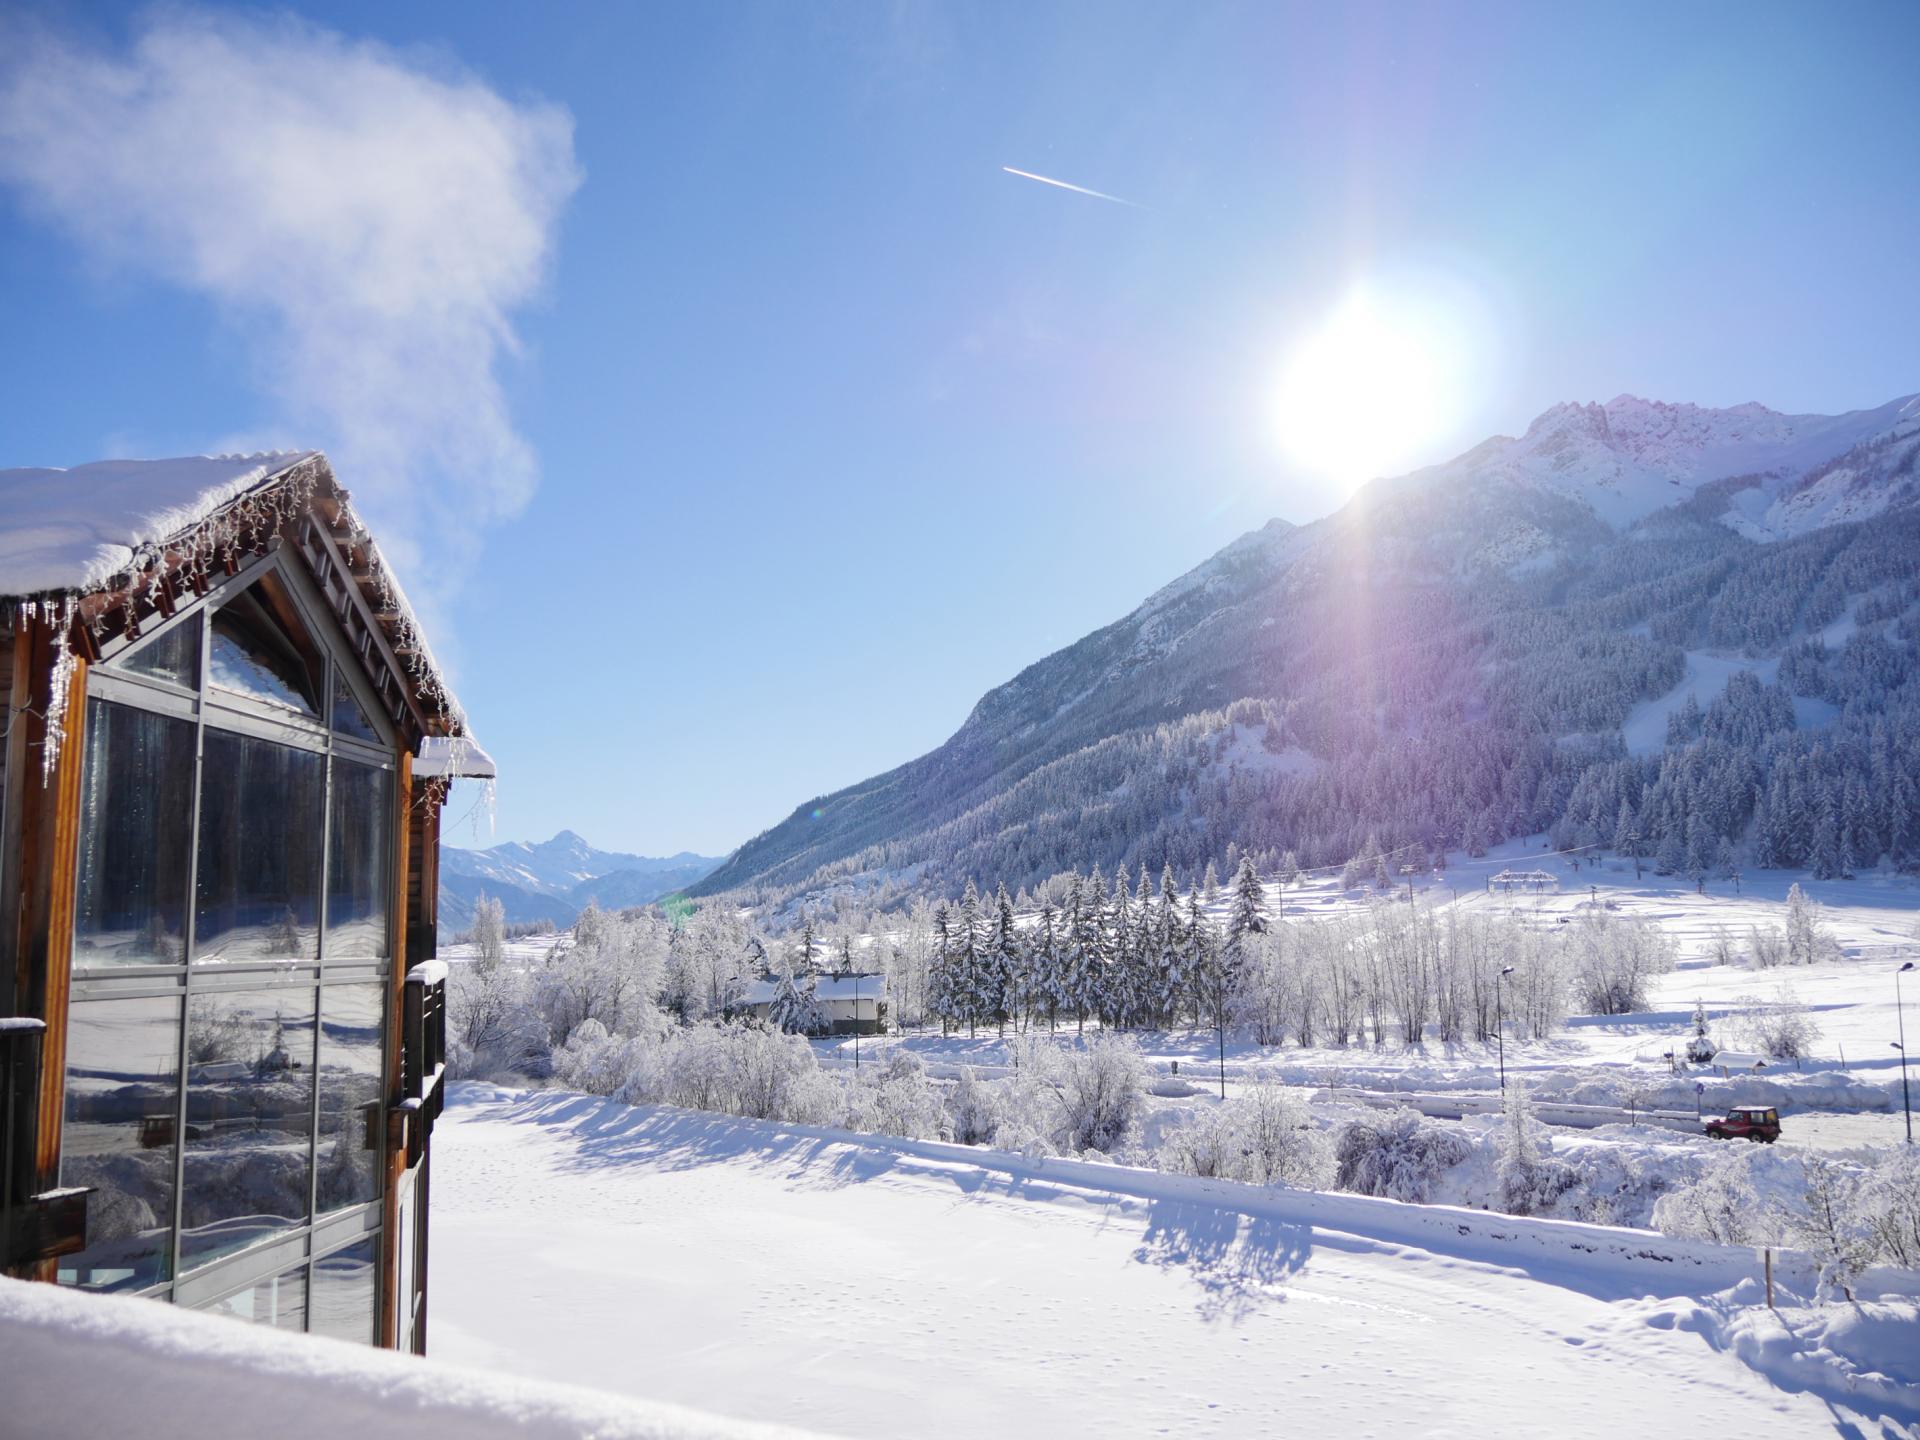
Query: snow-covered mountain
{"type": "Point", "coordinates": [1630, 457]}
{"type": "Point", "coordinates": [553, 879]}
{"type": "Point", "coordinates": [1449, 658]}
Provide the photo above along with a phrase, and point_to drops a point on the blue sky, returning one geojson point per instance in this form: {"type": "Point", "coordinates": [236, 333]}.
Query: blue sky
{"type": "Point", "coordinates": [837, 424]}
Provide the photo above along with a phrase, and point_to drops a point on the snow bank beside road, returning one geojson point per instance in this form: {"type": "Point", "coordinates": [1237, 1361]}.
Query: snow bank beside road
{"type": "Point", "coordinates": [1603, 1260]}
{"type": "Point", "coordinates": [103, 1365]}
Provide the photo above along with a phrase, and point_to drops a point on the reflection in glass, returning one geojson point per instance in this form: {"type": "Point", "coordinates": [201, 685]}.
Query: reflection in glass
{"type": "Point", "coordinates": [343, 1293]}
{"type": "Point", "coordinates": [280, 1301]}
{"type": "Point", "coordinates": [174, 656]}
{"type": "Point", "coordinates": [260, 838]}
{"type": "Point", "coordinates": [357, 868]}
{"type": "Point", "coordinates": [262, 651]}
{"type": "Point", "coordinates": [122, 1109]}
{"type": "Point", "coordinates": [249, 1118]}
{"type": "Point", "coordinates": [351, 1119]}
{"type": "Point", "coordinates": [136, 813]}
{"type": "Point", "coordinates": [348, 717]}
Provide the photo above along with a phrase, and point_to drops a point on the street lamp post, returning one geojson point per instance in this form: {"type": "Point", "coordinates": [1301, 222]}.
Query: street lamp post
{"type": "Point", "coordinates": [1500, 1020]}
{"type": "Point", "coordinates": [856, 1022]}
{"type": "Point", "coordinates": [1900, 1014]}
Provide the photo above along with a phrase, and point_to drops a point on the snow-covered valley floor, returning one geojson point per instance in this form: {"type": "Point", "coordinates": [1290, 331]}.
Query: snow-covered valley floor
{"type": "Point", "coordinates": [854, 1286]}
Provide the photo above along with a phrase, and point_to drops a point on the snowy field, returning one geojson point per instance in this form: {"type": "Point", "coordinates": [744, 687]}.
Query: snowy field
{"type": "Point", "coordinates": [868, 1287]}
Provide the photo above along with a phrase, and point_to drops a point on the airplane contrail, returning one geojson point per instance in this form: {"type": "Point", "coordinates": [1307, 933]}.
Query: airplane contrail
{"type": "Point", "coordinates": [1077, 189]}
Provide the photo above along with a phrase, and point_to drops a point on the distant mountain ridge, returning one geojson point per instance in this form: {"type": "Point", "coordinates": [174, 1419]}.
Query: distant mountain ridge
{"type": "Point", "coordinates": [554, 879]}
{"type": "Point", "coordinates": [1444, 658]}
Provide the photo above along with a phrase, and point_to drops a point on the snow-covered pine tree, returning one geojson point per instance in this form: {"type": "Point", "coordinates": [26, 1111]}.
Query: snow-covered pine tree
{"type": "Point", "coordinates": [1144, 962]}
{"type": "Point", "coordinates": [1090, 972]}
{"type": "Point", "coordinates": [1198, 938]}
{"type": "Point", "coordinates": [940, 987]}
{"type": "Point", "coordinates": [1171, 968]}
{"type": "Point", "coordinates": [1625, 826]}
{"type": "Point", "coordinates": [968, 944]}
{"type": "Point", "coordinates": [1289, 869]}
{"type": "Point", "coordinates": [1042, 990]}
{"type": "Point", "coordinates": [1074, 955]}
{"type": "Point", "coordinates": [1700, 1047]}
{"type": "Point", "coordinates": [1117, 994]}
{"type": "Point", "coordinates": [1004, 965]}
{"type": "Point", "coordinates": [1247, 915]}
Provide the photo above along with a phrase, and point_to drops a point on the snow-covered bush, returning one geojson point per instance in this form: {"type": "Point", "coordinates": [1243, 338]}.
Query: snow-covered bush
{"type": "Point", "coordinates": [629, 1067]}
{"type": "Point", "coordinates": [1833, 1223]}
{"type": "Point", "coordinates": [612, 972]}
{"type": "Point", "coordinates": [971, 1113]}
{"type": "Point", "coordinates": [1720, 1205]}
{"type": "Point", "coordinates": [1204, 1145]}
{"type": "Point", "coordinates": [750, 1070]}
{"type": "Point", "coordinates": [1102, 1091]}
{"type": "Point", "coordinates": [1808, 940]}
{"type": "Point", "coordinates": [1614, 960]}
{"type": "Point", "coordinates": [1279, 1143]}
{"type": "Point", "coordinates": [1400, 1155]}
{"type": "Point", "coordinates": [904, 1103]}
{"type": "Point", "coordinates": [1783, 1029]}
{"type": "Point", "coordinates": [491, 1027]}
{"type": "Point", "coordinates": [1531, 1179]}
{"type": "Point", "coordinates": [1264, 1137]}
{"type": "Point", "coordinates": [1893, 1200]}
{"type": "Point", "coordinates": [1767, 946]}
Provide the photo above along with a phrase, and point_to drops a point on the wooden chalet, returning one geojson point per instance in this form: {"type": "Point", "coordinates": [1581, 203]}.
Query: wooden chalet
{"type": "Point", "coordinates": [226, 753]}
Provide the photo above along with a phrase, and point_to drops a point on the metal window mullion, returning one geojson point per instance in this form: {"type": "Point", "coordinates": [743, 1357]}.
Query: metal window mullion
{"type": "Point", "coordinates": [319, 999]}
{"type": "Point", "coordinates": [190, 927]}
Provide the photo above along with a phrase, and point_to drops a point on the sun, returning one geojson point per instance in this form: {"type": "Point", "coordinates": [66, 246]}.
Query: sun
{"type": "Point", "coordinates": [1368, 393]}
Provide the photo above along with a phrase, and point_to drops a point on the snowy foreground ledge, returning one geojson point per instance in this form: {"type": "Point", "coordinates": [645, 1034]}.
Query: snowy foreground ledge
{"type": "Point", "coordinates": [90, 1365]}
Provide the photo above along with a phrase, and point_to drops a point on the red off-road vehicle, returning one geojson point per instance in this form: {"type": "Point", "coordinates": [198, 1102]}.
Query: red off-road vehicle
{"type": "Point", "coordinates": [1747, 1122]}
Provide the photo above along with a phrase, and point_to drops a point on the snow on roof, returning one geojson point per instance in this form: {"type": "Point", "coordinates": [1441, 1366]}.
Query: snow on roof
{"type": "Point", "coordinates": [76, 529]}
{"type": "Point", "coordinates": [458, 757]}
{"type": "Point", "coordinates": [117, 1365]}
{"type": "Point", "coordinates": [65, 532]}
{"type": "Point", "coordinates": [865, 986]}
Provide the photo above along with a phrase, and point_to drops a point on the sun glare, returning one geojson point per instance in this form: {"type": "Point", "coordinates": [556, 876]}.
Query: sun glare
{"type": "Point", "coordinates": [1369, 393]}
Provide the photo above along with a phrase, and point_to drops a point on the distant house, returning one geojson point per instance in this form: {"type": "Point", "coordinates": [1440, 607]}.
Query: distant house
{"type": "Point", "coordinates": [849, 1002]}
{"type": "Point", "coordinates": [1529, 882]}
{"type": "Point", "coordinates": [221, 1021]}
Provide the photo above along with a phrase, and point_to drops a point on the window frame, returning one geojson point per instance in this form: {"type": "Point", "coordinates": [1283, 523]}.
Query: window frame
{"type": "Point", "coordinates": [207, 706]}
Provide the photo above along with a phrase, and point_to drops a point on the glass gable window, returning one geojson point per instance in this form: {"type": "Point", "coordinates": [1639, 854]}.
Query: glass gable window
{"type": "Point", "coordinates": [262, 651]}
{"type": "Point", "coordinates": [122, 1111]}
{"type": "Point", "coordinates": [174, 658]}
{"type": "Point", "coordinates": [227, 1036]}
{"type": "Point", "coordinates": [348, 717]}
{"type": "Point", "coordinates": [259, 872]}
{"type": "Point", "coordinates": [136, 828]}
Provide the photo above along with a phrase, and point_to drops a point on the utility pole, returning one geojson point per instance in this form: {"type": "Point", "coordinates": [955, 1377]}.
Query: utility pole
{"type": "Point", "coordinates": [1900, 1012]}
